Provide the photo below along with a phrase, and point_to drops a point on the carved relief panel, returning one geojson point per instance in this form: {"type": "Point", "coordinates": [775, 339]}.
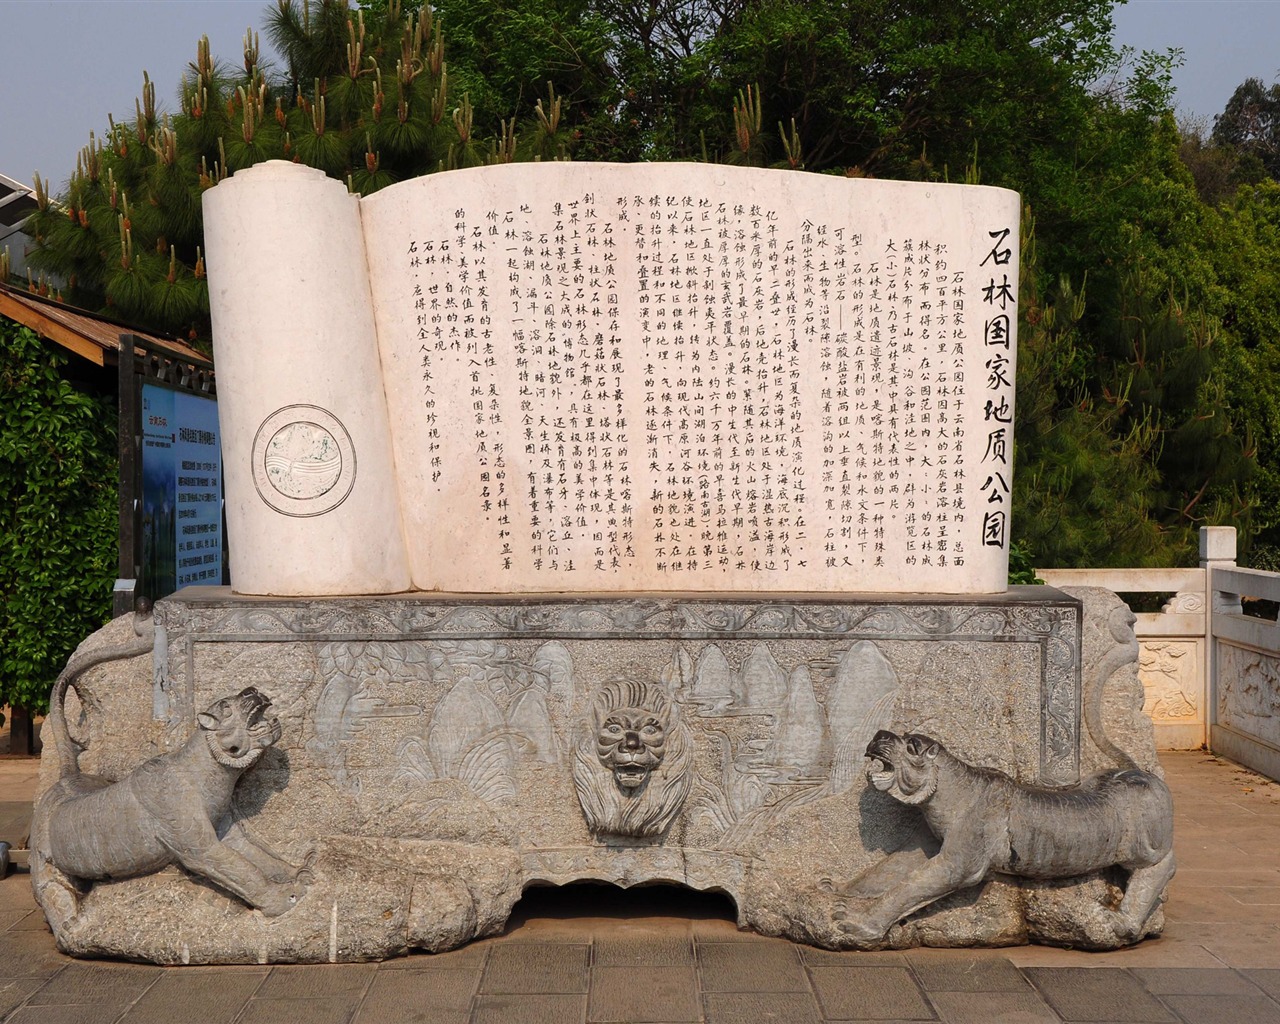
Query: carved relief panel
{"type": "Point", "coordinates": [1172, 672]}
{"type": "Point", "coordinates": [557, 743]}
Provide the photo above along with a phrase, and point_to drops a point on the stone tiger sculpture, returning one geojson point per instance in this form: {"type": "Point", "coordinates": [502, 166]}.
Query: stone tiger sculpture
{"type": "Point", "coordinates": [166, 811]}
{"type": "Point", "coordinates": [988, 823]}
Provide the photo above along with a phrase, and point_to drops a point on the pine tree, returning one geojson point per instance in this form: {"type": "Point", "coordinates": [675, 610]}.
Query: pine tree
{"type": "Point", "coordinates": [364, 97]}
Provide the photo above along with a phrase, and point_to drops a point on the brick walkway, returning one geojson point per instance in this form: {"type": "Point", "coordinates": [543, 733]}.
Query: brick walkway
{"type": "Point", "coordinates": [595, 955]}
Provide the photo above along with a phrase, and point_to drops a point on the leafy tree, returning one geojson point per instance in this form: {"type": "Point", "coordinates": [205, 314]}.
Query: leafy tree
{"type": "Point", "coordinates": [1244, 249]}
{"type": "Point", "coordinates": [1250, 124]}
{"type": "Point", "coordinates": [905, 89]}
{"type": "Point", "coordinates": [1217, 170]}
{"type": "Point", "coordinates": [58, 520]}
{"type": "Point", "coordinates": [1081, 481]}
{"type": "Point", "coordinates": [501, 55]}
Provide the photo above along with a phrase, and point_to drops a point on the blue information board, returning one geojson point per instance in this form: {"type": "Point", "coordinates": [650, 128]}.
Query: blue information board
{"type": "Point", "coordinates": [181, 513]}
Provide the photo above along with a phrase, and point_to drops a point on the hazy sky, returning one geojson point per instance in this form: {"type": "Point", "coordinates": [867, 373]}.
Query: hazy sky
{"type": "Point", "coordinates": [66, 64]}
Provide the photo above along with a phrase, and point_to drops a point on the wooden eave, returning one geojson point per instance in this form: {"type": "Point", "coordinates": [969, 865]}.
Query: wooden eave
{"type": "Point", "coordinates": [95, 338]}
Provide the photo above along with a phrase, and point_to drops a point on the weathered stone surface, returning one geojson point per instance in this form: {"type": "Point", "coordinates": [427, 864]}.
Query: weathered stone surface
{"type": "Point", "coordinates": [427, 751]}
{"type": "Point", "coordinates": [164, 812]}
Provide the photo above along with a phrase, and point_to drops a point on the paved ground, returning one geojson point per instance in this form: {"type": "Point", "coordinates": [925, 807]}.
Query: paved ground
{"type": "Point", "coordinates": [596, 955]}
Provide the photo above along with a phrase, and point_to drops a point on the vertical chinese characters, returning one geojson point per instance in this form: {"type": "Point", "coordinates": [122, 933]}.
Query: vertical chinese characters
{"type": "Point", "coordinates": [998, 302]}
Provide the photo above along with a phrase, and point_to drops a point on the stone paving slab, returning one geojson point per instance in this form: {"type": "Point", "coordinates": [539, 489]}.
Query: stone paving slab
{"type": "Point", "coordinates": [433, 995]}
{"type": "Point", "coordinates": [15, 819]}
{"type": "Point", "coordinates": [653, 949]}
{"type": "Point", "coordinates": [664, 956]}
{"type": "Point", "coordinates": [100, 1013]}
{"type": "Point", "coordinates": [643, 995]}
{"type": "Point", "coordinates": [296, 1011]}
{"type": "Point", "coordinates": [317, 982]}
{"type": "Point", "coordinates": [1096, 994]}
{"type": "Point", "coordinates": [1225, 1009]}
{"type": "Point", "coordinates": [537, 968]}
{"type": "Point", "coordinates": [1194, 981]}
{"type": "Point", "coordinates": [761, 1007]}
{"type": "Point", "coordinates": [529, 1009]}
{"type": "Point", "coordinates": [750, 967]}
{"type": "Point", "coordinates": [16, 991]}
{"type": "Point", "coordinates": [1268, 981]}
{"type": "Point", "coordinates": [203, 996]}
{"type": "Point", "coordinates": [105, 982]}
{"type": "Point", "coordinates": [970, 974]}
{"type": "Point", "coordinates": [985, 1007]}
{"type": "Point", "coordinates": [869, 993]}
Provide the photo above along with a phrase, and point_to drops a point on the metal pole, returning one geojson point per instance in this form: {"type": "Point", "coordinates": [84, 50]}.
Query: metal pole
{"type": "Point", "coordinates": [127, 434]}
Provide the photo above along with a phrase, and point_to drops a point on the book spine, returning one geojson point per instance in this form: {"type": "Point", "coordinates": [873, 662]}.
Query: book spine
{"type": "Point", "coordinates": [310, 484]}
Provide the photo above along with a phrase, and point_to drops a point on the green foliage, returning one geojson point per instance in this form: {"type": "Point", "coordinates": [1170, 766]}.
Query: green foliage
{"type": "Point", "coordinates": [1216, 170]}
{"type": "Point", "coordinates": [364, 96]}
{"type": "Point", "coordinates": [908, 89]}
{"type": "Point", "coordinates": [1022, 569]}
{"type": "Point", "coordinates": [1125, 441]}
{"type": "Point", "coordinates": [1244, 250]}
{"type": "Point", "coordinates": [501, 53]}
{"type": "Point", "coordinates": [1082, 482]}
{"type": "Point", "coordinates": [58, 520]}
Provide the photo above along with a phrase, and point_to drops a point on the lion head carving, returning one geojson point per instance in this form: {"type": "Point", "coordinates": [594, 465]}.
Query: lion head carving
{"type": "Point", "coordinates": [238, 729]}
{"type": "Point", "coordinates": [631, 766]}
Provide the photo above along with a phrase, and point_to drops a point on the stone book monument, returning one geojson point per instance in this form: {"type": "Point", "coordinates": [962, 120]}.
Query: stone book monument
{"type": "Point", "coordinates": [623, 523]}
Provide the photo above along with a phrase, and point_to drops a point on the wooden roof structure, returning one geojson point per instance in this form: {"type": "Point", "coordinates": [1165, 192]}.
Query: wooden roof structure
{"type": "Point", "coordinates": [89, 335]}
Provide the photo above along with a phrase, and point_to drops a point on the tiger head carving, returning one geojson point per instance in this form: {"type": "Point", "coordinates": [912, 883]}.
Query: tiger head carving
{"type": "Point", "coordinates": [905, 767]}
{"type": "Point", "coordinates": [631, 767]}
{"type": "Point", "coordinates": [238, 729]}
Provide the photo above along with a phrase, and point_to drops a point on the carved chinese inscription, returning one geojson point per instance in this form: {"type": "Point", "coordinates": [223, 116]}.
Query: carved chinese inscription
{"type": "Point", "coordinates": [664, 386]}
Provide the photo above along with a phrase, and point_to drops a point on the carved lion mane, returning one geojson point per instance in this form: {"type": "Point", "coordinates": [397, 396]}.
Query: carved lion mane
{"type": "Point", "coordinates": [631, 768]}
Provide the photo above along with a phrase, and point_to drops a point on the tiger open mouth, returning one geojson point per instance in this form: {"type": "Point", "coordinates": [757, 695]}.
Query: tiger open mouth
{"type": "Point", "coordinates": [880, 771]}
{"type": "Point", "coordinates": [259, 722]}
{"type": "Point", "coordinates": [880, 774]}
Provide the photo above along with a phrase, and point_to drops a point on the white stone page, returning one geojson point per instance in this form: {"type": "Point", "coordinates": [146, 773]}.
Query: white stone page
{"type": "Point", "coordinates": [662, 377]}
{"type": "Point", "coordinates": [310, 480]}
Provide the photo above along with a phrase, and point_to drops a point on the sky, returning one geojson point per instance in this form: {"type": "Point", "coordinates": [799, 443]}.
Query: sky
{"type": "Point", "coordinates": [66, 64]}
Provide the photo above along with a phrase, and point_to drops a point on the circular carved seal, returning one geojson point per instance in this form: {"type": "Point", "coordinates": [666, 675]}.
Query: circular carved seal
{"type": "Point", "coordinates": [304, 463]}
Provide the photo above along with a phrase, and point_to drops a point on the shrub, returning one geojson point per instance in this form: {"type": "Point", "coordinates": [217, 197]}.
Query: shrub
{"type": "Point", "coordinates": [58, 519]}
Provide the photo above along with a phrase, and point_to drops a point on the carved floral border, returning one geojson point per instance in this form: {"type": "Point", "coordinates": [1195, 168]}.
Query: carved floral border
{"type": "Point", "coordinates": [1046, 618]}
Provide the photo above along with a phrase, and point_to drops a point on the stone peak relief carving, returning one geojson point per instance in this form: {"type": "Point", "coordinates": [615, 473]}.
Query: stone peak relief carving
{"type": "Point", "coordinates": [615, 378]}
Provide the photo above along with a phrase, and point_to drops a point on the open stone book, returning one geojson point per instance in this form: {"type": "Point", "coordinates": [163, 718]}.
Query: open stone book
{"type": "Point", "coordinates": [579, 377]}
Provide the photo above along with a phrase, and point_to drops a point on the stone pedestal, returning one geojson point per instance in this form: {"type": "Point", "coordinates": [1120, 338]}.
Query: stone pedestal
{"type": "Point", "coordinates": [440, 754]}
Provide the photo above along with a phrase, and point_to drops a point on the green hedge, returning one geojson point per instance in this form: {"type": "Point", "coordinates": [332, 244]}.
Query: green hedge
{"type": "Point", "coordinates": [58, 515]}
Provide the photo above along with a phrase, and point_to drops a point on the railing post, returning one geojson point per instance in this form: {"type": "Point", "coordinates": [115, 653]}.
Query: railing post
{"type": "Point", "coordinates": [1217, 551]}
